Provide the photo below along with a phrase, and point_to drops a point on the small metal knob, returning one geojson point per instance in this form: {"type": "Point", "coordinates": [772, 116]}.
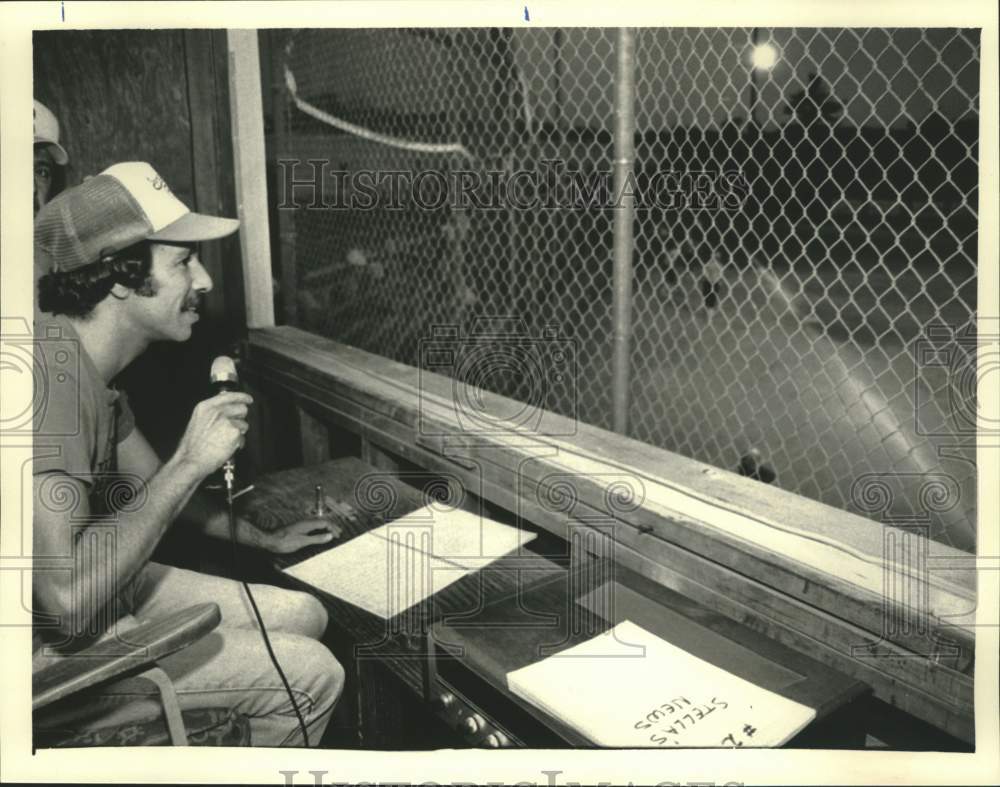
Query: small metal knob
{"type": "Point", "coordinates": [446, 700]}
{"type": "Point", "coordinates": [472, 724]}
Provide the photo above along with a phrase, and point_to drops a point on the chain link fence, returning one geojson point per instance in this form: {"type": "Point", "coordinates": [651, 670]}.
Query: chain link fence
{"type": "Point", "coordinates": [803, 289]}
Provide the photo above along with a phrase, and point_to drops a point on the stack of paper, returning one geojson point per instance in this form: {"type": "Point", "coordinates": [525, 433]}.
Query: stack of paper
{"type": "Point", "coordinates": [629, 688]}
{"type": "Point", "coordinates": [394, 567]}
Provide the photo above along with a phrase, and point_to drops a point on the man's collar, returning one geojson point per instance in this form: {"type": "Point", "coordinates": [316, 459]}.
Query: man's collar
{"type": "Point", "coordinates": [59, 328]}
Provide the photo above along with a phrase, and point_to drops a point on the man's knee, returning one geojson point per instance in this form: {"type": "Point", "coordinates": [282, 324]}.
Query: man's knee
{"type": "Point", "coordinates": [333, 677]}
{"type": "Point", "coordinates": [291, 611]}
{"type": "Point", "coordinates": [319, 675]}
{"type": "Point", "coordinates": [248, 683]}
{"type": "Point", "coordinates": [310, 615]}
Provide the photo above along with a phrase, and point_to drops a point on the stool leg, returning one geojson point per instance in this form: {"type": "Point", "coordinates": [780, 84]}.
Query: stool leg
{"type": "Point", "coordinates": [171, 708]}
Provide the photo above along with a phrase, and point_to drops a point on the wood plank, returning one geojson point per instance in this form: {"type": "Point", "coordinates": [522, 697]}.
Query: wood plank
{"type": "Point", "coordinates": [372, 454]}
{"type": "Point", "coordinates": [314, 437]}
{"type": "Point", "coordinates": [799, 543]}
{"type": "Point", "coordinates": [232, 260]}
{"type": "Point", "coordinates": [930, 691]}
{"type": "Point", "coordinates": [792, 599]}
{"type": "Point", "coordinates": [374, 375]}
{"type": "Point", "coordinates": [247, 112]}
{"type": "Point", "coordinates": [834, 586]}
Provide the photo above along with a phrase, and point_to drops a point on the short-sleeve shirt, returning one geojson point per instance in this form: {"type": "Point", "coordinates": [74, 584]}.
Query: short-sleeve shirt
{"type": "Point", "coordinates": [78, 419]}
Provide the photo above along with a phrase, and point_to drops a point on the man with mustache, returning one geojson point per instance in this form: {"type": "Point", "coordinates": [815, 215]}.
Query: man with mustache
{"type": "Point", "coordinates": [121, 270]}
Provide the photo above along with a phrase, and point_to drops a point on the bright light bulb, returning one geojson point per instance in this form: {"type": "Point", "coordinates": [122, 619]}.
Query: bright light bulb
{"type": "Point", "coordinates": [764, 56]}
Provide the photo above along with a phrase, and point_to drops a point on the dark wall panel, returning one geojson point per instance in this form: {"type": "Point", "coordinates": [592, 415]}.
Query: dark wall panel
{"type": "Point", "coordinates": [119, 96]}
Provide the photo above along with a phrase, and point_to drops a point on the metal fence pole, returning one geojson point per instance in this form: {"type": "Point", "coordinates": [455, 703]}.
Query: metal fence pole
{"type": "Point", "coordinates": [624, 214]}
{"type": "Point", "coordinates": [752, 113]}
{"type": "Point", "coordinates": [282, 145]}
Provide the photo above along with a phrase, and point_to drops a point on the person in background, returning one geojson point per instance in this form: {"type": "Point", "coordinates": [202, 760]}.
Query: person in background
{"type": "Point", "coordinates": [51, 158]}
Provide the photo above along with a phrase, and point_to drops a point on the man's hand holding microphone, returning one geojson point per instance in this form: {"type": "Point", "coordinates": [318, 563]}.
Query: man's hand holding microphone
{"type": "Point", "coordinates": [216, 431]}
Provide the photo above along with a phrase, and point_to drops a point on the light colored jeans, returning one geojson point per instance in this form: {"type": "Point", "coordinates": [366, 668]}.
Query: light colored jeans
{"type": "Point", "coordinates": [229, 667]}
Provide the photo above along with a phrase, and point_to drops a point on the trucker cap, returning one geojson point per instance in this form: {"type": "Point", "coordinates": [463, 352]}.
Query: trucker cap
{"type": "Point", "coordinates": [125, 204]}
{"type": "Point", "coordinates": [47, 133]}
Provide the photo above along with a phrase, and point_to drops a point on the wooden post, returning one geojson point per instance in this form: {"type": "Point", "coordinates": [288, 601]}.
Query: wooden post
{"type": "Point", "coordinates": [247, 111]}
{"type": "Point", "coordinates": [314, 436]}
{"type": "Point", "coordinates": [376, 457]}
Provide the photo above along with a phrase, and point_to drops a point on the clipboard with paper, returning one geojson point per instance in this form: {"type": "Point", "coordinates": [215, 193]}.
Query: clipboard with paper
{"type": "Point", "coordinates": [629, 688]}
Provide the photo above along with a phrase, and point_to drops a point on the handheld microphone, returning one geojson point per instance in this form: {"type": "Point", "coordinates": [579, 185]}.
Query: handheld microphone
{"type": "Point", "coordinates": [223, 377]}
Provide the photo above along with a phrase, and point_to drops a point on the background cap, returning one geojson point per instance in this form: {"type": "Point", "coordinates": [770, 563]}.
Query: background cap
{"type": "Point", "coordinates": [47, 133]}
{"type": "Point", "coordinates": [125, 204]}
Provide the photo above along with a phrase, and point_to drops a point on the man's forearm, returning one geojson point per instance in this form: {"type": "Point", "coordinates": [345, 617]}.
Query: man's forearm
{"type": "Point", "coordinates": [96, 579]}
{"type": "Point", "coordinates": [211, 517]}
{"type": "Point", "coordinates": [139, 532]}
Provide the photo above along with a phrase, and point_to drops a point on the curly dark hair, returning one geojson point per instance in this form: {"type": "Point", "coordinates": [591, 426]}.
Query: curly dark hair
{"type": "Point", "coordinates": [76, 293]}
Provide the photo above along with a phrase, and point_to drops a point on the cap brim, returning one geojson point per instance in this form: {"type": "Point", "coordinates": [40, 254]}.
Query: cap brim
{"type": "Point", "coordinates": [59, 154]}
{"type": "Point", "coordinates": [194, 227]}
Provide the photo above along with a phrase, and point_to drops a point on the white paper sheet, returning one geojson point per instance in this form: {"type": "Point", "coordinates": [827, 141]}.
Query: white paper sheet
{"type": "Point", "coordinates": [456, 536]}
{"type": "Point", "coordinates": [629, 688]}
{"type": "Point", "coordinates": [396, 566]}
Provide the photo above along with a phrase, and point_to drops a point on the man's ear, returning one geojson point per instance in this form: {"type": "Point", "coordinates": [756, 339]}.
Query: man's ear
{"type": "Point", "coordinates": [120, 291]}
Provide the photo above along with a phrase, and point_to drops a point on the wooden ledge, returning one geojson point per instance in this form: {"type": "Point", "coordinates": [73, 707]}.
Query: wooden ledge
{"type": "Point", "coordinates": [859, 588]}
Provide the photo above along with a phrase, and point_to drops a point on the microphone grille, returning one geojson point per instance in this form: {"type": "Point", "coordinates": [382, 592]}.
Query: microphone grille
{"type": "Point", "coordinates": [223, 369]}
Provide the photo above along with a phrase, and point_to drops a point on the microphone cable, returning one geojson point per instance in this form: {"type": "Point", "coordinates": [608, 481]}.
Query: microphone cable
{"type": "Point", "coordinates": [223, 377]}
{"type": "Point", "coordinates": [260, 620]}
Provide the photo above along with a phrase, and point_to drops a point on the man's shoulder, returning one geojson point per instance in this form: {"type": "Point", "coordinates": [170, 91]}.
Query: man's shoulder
{"type": "Point", "coordinates": [63, 397]}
